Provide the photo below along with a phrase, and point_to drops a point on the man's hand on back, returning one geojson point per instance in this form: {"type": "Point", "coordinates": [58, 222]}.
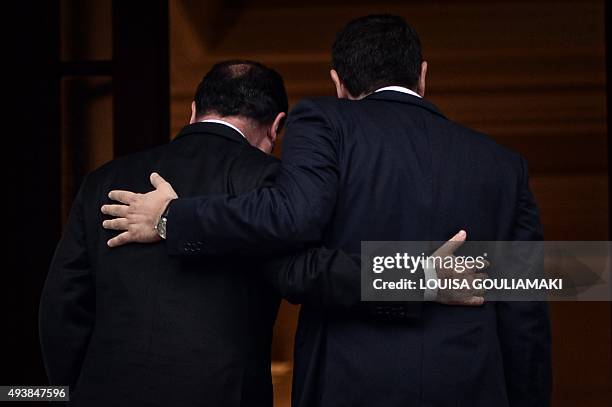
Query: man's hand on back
{"type": "Point", "coordinates": [451, 296]}
{"type": "Point", "coordinates": [139, 214]}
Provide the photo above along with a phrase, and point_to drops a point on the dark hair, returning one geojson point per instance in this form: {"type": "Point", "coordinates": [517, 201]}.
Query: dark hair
{"type": "Point", "coordinates": [376, 51]}
{"type": "Point", "coordinates": [242, 88]}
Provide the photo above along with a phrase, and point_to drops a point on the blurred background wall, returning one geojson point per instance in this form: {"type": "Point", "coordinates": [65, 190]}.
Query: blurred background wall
{"type": "Point", "coordinates": [531, 74]}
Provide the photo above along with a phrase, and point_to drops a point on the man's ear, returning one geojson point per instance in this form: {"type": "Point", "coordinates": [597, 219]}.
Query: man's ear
{"type": "Point", "coordinates": [275, 128]}
{"type": "Point", "coordinates": [341, 91]}
{"type": "Point", "coordinates": [421, 84]}
{"type": "Point", "coordinates": [192, 119]}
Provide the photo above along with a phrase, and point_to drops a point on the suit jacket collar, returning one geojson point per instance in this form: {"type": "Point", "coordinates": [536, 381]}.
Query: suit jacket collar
{"type": "Point", "coordinates": [400, 97]}
{"type": "Point", "coordinates": [216, 129]}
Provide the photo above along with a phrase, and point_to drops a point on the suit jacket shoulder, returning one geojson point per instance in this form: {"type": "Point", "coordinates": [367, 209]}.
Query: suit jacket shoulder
{"type": "Point", "coordinates": [339, 114]}
{"type": "Point", "coordinates": [485, 141]}
{"type": "Point", "coordinates": [250, 169]}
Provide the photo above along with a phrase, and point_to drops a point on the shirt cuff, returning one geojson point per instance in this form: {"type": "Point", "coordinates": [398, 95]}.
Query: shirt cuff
{"type": "Point", "coordinates": [430, 272]}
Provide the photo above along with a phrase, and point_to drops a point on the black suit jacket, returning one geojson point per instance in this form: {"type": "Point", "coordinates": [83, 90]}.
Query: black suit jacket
{"type": "Point", "coordinates": [131, 326]}
{"type": "Point", "coordinates": [391, 167]}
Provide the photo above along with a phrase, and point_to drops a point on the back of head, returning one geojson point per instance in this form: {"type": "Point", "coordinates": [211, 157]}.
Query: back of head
{"type": "Point", "coordinates": [244, 89]}
{"type": "Point", "coordinates": [375, 51]}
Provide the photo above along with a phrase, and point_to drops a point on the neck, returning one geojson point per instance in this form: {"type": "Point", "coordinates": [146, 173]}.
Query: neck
{"type": "Point", "coordinates": [242, 124]}
{"type": "Point", "coordinates": [250, 131]}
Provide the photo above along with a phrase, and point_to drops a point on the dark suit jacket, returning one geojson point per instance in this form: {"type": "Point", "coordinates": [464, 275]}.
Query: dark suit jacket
{"type": "Point", "coordinates": [131, 326]}
{"type": "Point", "coordinates": [391, 167]}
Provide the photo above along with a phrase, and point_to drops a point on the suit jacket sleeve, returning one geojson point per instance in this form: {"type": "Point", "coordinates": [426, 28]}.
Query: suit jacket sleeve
{"type": "Point", "coordinates": [67, 307]}
{"type": "Point", "coordinates": [523, 327]}
{"type": "Point", "coordinates": [317, 277]}
{"type": "Point", "coordinates": [271, 219]}
{"type": "Point", "coordinates": [327, 279]}
{"type": "Point", "coordinates": [330, 280]}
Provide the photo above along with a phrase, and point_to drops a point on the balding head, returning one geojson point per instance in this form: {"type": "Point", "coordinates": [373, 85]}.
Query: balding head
{"type": "Point", "coordinates": [246, 94]}
{"type": "Point", "coordinates": [242, 88]}
{"type": "Point", "coordinates": [239, 69]}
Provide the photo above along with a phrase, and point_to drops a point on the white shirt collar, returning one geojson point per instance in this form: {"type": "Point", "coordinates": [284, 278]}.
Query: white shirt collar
{"type": "Point", "coordinates": [225, 123]}
{"type": "Point", "coordinates": [399, 89]}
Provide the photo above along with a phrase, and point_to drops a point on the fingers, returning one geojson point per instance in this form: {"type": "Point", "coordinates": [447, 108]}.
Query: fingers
{"type": "Point", "coordinates": [119, 211]}
{"type": "Point", "coordinates": [120, 240]}
{"type": "Point", "coordinates": [125, 197]}
{"type": "Point", "coordinates": [157, 180]}
{"type": "Point", "coordinates": [470, 269]}
{"type": "Point", "coordinates": [481, 290]}
{"type": "Point", "coordinates": [453, 244]}
{"type": "Point", "coordinates": [116, 224]}
{"type": "Point", "coordinates": [459, 237]}
{"type": "Point", "coordinates": [473, 301]}
{"type": "Point", "coordinates": [163, 186]}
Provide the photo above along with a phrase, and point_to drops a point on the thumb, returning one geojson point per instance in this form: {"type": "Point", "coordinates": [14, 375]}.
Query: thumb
{"type": "Point", "coordinates": [453, 244]}
{"type": "Point", "coordinates": [157, 180]}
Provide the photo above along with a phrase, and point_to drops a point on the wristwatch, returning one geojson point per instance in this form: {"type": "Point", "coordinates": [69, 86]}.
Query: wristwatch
{"type": "Point", "coordinates": [161, 223]}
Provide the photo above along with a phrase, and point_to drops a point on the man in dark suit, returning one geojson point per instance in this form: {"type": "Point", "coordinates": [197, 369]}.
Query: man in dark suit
{"type": "Point", "coordinates": [381, 163]}
{"type": "Point", "coordinates": [134, 327]}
